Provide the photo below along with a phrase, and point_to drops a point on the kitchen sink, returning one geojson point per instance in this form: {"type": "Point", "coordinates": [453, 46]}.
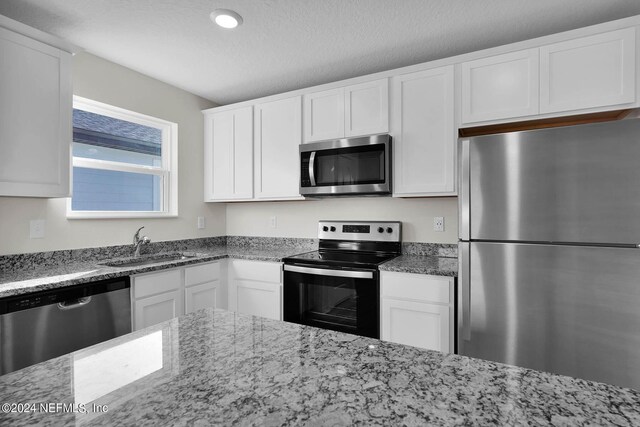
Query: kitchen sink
{"type": "Point", "coordinates": [149, 259]}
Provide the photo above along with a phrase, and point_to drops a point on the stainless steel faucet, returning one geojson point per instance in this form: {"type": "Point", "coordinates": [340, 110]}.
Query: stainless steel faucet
{"type": "Point", "coordinates": [138, 241]}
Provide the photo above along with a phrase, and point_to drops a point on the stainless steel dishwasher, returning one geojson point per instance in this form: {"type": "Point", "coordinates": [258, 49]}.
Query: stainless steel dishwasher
{"type": "Point", "coordinates": [42, 325]}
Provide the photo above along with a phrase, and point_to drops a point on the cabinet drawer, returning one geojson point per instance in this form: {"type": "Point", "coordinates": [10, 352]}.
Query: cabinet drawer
{"type": "Point", "coordinates": [155, 283]}
{"type": "Point", "coordinates": [257, 270]}
{"type": "Point", "coordinates": [417, 287]}
{"type": "Point", "coordinates": [201, 273]}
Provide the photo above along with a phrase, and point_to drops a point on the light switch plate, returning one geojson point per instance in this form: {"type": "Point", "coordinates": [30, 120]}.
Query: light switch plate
{"type": "Point", "coordinates": [201, 222]}
{"type": "Point", "coordinates": [273, 222]}
{"type": "Point", "coordinates": [36, 229]}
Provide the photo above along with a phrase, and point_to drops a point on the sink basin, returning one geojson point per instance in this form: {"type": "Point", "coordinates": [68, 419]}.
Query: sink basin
{"type": "Point", "coordinates": [146, 260]}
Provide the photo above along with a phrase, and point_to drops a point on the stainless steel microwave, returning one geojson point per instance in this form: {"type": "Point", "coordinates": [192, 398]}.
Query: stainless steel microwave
{"type": "Point", "coordinates": [350, 166]}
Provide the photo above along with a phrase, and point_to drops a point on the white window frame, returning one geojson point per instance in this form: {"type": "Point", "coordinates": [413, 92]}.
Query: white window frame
{"type": "Point", "coordinates": [168, 170]}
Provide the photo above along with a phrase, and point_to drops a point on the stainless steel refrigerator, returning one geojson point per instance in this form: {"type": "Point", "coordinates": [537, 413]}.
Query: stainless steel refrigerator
{"type": "Point", "coordinates": [549, 274]}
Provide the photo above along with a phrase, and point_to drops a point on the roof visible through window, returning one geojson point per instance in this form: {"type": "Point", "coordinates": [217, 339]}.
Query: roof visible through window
{"type": "Point", "coordinates": [103, 131]}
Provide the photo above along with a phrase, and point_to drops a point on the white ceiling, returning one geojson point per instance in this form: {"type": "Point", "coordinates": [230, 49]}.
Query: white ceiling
{"type": "Point", "coordinates": [291, 44]}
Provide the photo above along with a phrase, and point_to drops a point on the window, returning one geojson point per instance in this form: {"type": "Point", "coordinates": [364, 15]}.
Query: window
{"type": "Point", "coordinates": [124, 163]}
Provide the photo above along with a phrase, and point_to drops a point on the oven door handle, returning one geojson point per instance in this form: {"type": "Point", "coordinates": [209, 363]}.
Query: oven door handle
{"type": "Point", "coordinates": [327, 272]}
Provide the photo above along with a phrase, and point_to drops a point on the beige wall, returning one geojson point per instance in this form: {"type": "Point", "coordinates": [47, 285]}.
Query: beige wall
{"type": "Point", "coordinates": [104, 81]}
{"type": "Point", "coordinates": [299, 219]}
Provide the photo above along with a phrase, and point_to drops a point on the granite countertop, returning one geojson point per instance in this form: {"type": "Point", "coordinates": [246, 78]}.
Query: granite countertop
{"type": "Point", "coordinates": [214, 367]}
{"type": "Point", "coordinates": [21, 281]}
{"type": "Point", "coordinates": [25, 273]}
{"type": "Point", "coordinates": [421, 264]}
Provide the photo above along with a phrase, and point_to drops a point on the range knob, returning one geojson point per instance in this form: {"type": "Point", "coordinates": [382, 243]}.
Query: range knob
{"type": "Point", "coordinates": [333, 228]}
{"type": "Point", "coordinates": [389, 230]}
{"type": "Point", "coordinates": [325, 228]}
{"type": "Point", "coordinates": [380, 230]}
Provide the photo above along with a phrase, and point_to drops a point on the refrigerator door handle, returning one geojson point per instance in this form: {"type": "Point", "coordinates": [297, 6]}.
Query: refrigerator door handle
{"type": "Point", "coordinates": [464, 222]}
{"type": "Point", "coordinates": [464, 291]}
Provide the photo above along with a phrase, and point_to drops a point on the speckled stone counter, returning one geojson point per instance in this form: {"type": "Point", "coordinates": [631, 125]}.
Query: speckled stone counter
{"type": "Point", "coordinates": [214, 367]}
{"type": "Point", "coordinates": [420, 264]}
{"type": "Point", "coordinates": [73, 269]}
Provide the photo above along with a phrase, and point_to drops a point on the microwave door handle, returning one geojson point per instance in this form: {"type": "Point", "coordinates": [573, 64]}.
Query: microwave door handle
{"type": "Point", "coordinates": [312, 175]}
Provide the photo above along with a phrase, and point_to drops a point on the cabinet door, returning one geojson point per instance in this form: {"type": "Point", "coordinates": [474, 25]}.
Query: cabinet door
{"type": "Point", "coordinates": [229, 155]}
{"type": "Point", "coordinates": [202, 296]}
{"type": "Point", "coordinates": [258, 298]}
{"type": "Point", "coordinates": [416, 324]}
{"type": "Point", "coordinates": [500, 87]}
{"type": "Point", "coordinates": [589, 72]}
{"type": "Point", "coordinates": [324, 115]}
{"type": "Point", "coordinates": [367, 108]}
{"type": "Point", "coordinates": [155, 309]}
{"type": "Point", "coordinates": [424, 134]}
{"type": "Point", "coordinates": [35, 118]}
{"type": "Point", "coordinates": [278, 134]}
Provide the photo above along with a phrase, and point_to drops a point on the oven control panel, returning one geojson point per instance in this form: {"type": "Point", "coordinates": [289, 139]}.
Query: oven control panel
{"type": "Point", "coordinates": [375, 231]}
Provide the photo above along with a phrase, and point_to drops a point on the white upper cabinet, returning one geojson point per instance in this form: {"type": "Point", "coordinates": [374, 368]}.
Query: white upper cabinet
{"type": "Point", "coordinates": [584, 71]}
{"type": "Point", "coordinates": [229, 155]}
{"type": "Point", "coordinates": [367, 108]}
{"type": "Point", "coordinates": [324, 115]}
{"type": "Point", "coordinates": [360, 109]}
{"type": "Point", "coordinates": [588, 72]}
{"type": "Point", "coordinates": [35, 117]}
{"type": "Point", "coordinates": [500, 87]}
{"type": "Point", "coordinates": [278, 134]}
{"type": "Point", "coordinates": [424, 134]}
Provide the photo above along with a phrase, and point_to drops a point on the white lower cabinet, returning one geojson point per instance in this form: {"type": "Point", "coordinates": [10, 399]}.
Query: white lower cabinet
{"type": "Point", "coordinates": [202, 296]}
{"type": "Point", "coordinates": [417, 310]}
{"type": "Point", "coordinates": [204, 286]}
{"type": "Point", "coordinates": [255, 287]}
{"type": "Point", "coordinates": [156, 309]}
{"type": "Point", "coordinates": [161, 296]}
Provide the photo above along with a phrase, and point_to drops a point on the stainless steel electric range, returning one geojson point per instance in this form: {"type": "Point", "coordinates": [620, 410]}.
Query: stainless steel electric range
{"type": "Point", "coordinates": [338, 286]}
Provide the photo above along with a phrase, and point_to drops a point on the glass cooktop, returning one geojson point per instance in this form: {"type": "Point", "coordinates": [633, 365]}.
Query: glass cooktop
{"type": "Point", "coordinates": [341, 258]}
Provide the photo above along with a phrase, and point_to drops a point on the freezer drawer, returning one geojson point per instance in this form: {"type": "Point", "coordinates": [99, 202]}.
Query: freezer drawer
{"type": "Point", "coordinates": [577, 184]}
{"type": "Point", "coordinates": [570, 310]}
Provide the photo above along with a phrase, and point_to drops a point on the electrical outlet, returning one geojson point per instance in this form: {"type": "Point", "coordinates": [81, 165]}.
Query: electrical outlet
{"type": "Point", "coordinates": [273, 222]}
{"type": "Point", "coordinates": [438, 223]}
{"type": "Point", "coordinates": [36, 229]}
{"type": "Point", "coordinates": [201, 223]}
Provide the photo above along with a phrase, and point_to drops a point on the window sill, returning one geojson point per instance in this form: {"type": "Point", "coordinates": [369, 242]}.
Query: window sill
{"type": "Point", "coordinates": [119, 215]}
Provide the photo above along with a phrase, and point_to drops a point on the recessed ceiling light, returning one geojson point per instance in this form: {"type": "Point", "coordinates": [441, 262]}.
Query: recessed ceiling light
{"type": "Point", "coordinates": [226, 18]}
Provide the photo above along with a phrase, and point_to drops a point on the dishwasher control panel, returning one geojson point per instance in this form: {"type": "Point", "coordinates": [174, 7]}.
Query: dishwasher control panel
{"type": "Point", "coordinates": [69, 294]}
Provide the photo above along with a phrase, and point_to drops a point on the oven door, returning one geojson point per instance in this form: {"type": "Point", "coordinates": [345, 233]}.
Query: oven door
{"type": "Point", "coordinates": [346, 166]}
{"type": "Point", "coordinates": [340, 300]}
